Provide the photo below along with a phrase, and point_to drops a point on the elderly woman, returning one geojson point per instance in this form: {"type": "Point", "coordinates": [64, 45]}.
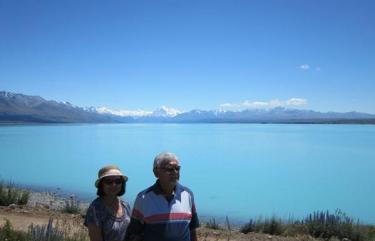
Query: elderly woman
{"type": "Point", "coordinates": [108, 216]}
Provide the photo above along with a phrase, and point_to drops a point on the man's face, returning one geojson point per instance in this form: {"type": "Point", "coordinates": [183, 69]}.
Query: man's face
{"type": "Point", "coordinates": [168, 173]}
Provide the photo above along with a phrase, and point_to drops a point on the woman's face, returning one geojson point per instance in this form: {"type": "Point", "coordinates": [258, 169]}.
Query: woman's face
{"type": "Point", "coordinates": [112, 185]}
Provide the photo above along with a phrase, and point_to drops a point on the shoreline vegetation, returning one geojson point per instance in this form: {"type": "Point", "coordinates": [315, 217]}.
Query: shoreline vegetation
{"type": "Point", "coordinates": [54, 217]}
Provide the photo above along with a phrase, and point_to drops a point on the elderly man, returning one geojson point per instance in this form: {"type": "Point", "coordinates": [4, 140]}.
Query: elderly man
{"type": "Point", "coordinates": [166, 210]}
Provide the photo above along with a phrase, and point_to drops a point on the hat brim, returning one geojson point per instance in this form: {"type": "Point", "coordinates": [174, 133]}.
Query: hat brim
{"type": "Point", "coordinates": [125, 178]}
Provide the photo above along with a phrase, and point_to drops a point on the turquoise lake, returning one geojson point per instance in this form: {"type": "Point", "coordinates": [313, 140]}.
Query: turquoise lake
{"type": "Point", "coordinates": [235, 170]}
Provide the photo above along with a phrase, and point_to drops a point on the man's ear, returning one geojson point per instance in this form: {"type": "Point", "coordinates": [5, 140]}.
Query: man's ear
{"type": "Point", "coordinates": [156, 172]}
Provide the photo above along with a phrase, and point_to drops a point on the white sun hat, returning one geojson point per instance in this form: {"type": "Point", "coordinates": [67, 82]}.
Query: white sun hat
{"type": "Point", "coordinates": [109, 171]}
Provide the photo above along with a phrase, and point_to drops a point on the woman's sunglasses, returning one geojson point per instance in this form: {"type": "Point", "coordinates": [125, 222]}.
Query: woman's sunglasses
{"type": "Point", "coordinates": [116, 181]}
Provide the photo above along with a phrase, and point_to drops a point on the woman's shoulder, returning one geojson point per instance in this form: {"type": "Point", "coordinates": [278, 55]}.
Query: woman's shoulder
{"type": "Point", "coordinates": [95, 212]}
{"type": "Point", "coordinates": [97, 203]}
{"type": "Point", "coordinates": [125, 205]}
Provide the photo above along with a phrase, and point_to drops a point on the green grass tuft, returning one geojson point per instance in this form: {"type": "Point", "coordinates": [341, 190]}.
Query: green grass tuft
{"type": "Point", "coordinates": [47, 232]}
{"type": "Point", "coordinates": [72, 206]}
{"type": "Point", "coordinates": [323, 225]}
{"type": "Point", "coordinates": [10, 194]}
{"type": "Point", "coordinates": [212, 224]}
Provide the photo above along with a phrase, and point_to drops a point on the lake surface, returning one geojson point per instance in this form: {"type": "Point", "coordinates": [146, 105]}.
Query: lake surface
{"type": "Point", "coordinates": [238, 170]}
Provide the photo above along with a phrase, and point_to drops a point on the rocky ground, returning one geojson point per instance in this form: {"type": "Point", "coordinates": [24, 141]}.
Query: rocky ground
{"type": "Point", "coordinates": [43, 206]}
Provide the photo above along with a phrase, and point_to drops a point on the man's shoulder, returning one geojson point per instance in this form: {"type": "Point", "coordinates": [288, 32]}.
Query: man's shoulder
{"type": "Point", "coordinates": [153, 189]}
{"type": "Point", "coordinates": [144, 192]}
{"type": "Point", "coordinates": [183, 188]}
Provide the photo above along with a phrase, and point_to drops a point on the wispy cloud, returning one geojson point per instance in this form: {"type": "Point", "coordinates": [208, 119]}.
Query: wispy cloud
{"type": "Point", "coordinates": [304, 66]}
{"type": "Point", "coordinates": [296, 102]}
{"type": "Point", "coordinates": [247, 104]}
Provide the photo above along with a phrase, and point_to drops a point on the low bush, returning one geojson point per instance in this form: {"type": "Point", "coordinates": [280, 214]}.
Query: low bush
{"type": "Point", "coordinates": [212, 224]}
{"type": "Point", "coordinates": [271, 226]}
{"type": "Point", "coordinates": [8, 233]}
{"type": "Point", "coordinates": [10, 194]}
{"type": "Point", "coordinates": [248, 227]}
{"type": "Point", "coordinates": [322, 225]}
{"type": "Point", "coordinates": [72, 206]}
{"type": "Point", "coordinates": [326, 225]}
{"type": "Point", "coordinates": [47, 232]}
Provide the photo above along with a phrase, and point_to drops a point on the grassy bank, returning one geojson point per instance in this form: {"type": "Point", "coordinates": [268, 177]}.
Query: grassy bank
{"type": "Point", "coordinates": [50, 232]}
{"type": "Point", "coordinates": [320, 225]}
{"type": "Point", "coordinates": [10, 194]}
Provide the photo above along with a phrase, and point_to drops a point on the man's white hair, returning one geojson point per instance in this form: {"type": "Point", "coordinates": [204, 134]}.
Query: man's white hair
{"type": "Point", "coordinates": [164, 157]}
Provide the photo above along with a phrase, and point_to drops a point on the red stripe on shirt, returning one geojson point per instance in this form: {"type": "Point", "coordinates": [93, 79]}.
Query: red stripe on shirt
{"type": "Point", "coordinates": [168, 216]}
{"type": "Point", "coordinates": [137, 214]}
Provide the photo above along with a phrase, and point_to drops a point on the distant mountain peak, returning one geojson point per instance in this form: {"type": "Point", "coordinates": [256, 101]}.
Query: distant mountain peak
{"type": "Point", "coordinates": [125, 113]}
{"type": "Point", "coordinates": [16, 107]}
{"type": "Point", "coordinates": [164, 111]}
{"type": "Point", "coordinates": [6, 94]}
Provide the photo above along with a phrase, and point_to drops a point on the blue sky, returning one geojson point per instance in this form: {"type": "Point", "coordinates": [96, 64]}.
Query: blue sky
{"type": "Point", "coordinates": [191, 54]}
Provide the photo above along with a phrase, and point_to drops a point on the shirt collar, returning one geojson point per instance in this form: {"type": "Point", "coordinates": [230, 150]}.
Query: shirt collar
{"type": "Point", "coordinates": [156, 188]}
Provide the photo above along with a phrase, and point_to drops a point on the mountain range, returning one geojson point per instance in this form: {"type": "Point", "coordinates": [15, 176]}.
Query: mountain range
{"type": "Point", "coordinates": [20, 108]}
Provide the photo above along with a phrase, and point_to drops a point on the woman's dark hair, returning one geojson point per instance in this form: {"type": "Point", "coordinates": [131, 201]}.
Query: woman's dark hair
{"type": "Point", "coordinates": [100, 192]}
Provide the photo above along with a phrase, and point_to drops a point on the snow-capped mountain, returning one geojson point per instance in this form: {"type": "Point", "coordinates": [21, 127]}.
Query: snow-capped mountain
{"type": "Point", "coordinates": [275, 115]}
{"type": "Point", "coordinates": [127, 113]}
{"type": "Point", "coordinates": [23, 108]}
{"type": "Point", "coordinates": [165, 112]}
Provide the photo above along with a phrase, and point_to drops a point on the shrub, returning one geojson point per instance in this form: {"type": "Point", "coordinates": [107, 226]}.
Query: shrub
{"type": "Point", "coordinates": [325, 225]}
{"type": "Point", "coordinates": [273, 226]}
{"type": "Point", "coordinates": [57, 232]}
{"type": "Point", "coordinates": [322, 225]}
{"type": "Point", "coordinates": [42, 233]}
{"type": "Point", "coordinates": [211, 224]}
{"type": "Point", "coordinates": [71, 206]}
{"type": "Point", "coordinates": [295, 229]}
{"type": "Point", "coordinates": [45, 233]}
{"type": "Point", "coordinates": [8, 233]}
{"type": "Point", "coordinates": [248, 227]}
{"type": "Point", "coordinates": [9, 194]}
{"type": "Point", "coordinates": [24, 198]}
{"type": "Point", "coordinates": [371, 232]}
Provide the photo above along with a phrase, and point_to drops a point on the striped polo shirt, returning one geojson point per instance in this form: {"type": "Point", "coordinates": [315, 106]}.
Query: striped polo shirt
{"type": "Point", "coordinates": [158, 219]}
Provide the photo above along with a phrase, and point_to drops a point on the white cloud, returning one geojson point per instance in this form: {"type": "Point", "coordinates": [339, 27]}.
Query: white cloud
{"type": "Point", "coordinates": [304, 67]}
{"type": "Point", "coordinates": [296, 102]}
{"type": "Point", "coordinates": [247, 104]}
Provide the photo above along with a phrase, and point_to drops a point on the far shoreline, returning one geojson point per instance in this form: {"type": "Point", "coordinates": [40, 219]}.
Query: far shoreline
{"type": "Point", "coordinates": [338, 122]}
